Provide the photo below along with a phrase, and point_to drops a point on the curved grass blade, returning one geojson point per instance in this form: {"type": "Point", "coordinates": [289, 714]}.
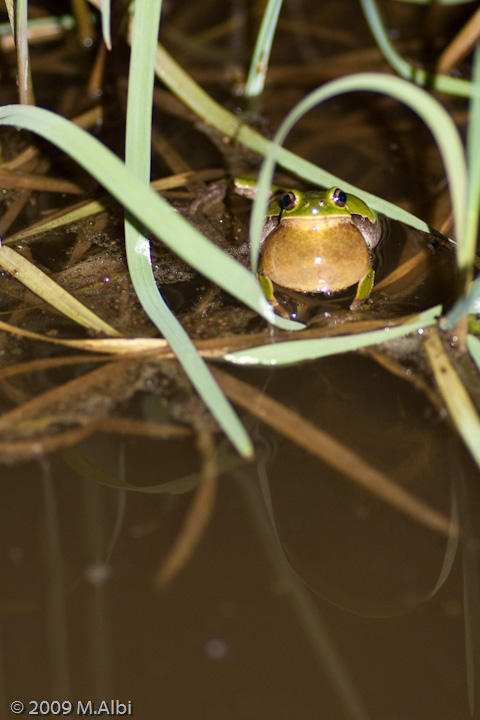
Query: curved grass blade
{"type": "Point", "coordinates": [109, 346]}
{"type": "Point", "coordinates": [10, 6]}
{"type": "Point", "coordinates": [355, 605]}
{"type": "Point", "coordinates": [182, 85]}
{"type": "Point", "coordinates": [443, 83]}
{"type": "Point", "coordinates": [430, 111]}
{"type": "Point", "coordinates": [286, 353]}
{"type": "Point", "coordinates": [473, 154]}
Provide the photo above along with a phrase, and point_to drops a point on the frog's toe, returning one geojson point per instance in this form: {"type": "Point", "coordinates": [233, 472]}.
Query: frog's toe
{"type": "Point", "coordinates": [361, 304]}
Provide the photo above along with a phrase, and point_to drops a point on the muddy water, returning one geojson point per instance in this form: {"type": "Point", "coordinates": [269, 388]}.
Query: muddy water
{"type": "Point", "coordinates": [306, 597]}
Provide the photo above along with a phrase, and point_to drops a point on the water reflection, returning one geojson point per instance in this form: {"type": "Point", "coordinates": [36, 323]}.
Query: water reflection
{"type": "Point", "coordinates": [239, 630]}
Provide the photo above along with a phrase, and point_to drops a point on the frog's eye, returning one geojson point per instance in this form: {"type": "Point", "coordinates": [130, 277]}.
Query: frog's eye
{"type": "Point", "coordinates": [339, 197]}
{"type": "Point", "coordinates": [288, 201]}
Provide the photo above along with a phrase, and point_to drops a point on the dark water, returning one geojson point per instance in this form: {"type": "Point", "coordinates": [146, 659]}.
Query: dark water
{"type": "Point", "coordinates": [305, 596]}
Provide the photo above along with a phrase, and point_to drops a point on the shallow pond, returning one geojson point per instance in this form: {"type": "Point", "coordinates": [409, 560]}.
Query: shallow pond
{"type": "Point", "coordinates": [145, 566]}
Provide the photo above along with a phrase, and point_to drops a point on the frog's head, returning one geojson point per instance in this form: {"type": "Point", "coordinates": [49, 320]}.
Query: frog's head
{"type": "Point", "coordinates": [314, 205]}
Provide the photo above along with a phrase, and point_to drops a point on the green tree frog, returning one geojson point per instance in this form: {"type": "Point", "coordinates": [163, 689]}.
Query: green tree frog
{"type": "Point", "coordinates": [319, 242]}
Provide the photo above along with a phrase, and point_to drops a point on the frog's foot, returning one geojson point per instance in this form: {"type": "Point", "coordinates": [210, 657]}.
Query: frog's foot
{"type": "Point", "coordinates": [279, 309]}
{"type": "Point", "coordinates": [364, 289]}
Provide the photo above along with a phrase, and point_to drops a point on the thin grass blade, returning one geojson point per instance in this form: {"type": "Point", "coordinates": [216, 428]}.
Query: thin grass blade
{"type": "Point", "coordinates": [106, 24]}
{"type": "Point", "coordinates": [467, 247]}
{"type": "Point", "coordinates": [261, 54]}
{"type": "Point", "coordinates": [25, 90]}
{"type": "Point", "coordinates": [473, 344]}
{"type": "Point", "coordinates": [443, 83]}
{"type": "Point", "coordinates": [138, 144]}
{"type": "Point", "coordinates": [46, 288]}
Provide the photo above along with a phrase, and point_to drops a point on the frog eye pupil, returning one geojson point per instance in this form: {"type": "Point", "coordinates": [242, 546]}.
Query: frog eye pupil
{"type": "Point", "coordinates": [339, 197]}
{"type": "Point", "coordinates": [288, 201]}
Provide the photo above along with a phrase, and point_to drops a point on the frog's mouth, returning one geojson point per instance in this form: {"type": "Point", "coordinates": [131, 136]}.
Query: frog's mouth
{"type": "Point", "coordinates": [316, 223]}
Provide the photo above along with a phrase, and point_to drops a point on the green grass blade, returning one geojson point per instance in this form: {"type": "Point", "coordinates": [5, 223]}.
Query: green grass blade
{"type": "Point", "coordinates": [443, 83]}
{"type": "Point", "coordinates": [182, 85]}
{"type": "Point", "coordinates": [468, 304]}
{"type": "Point", "coordinates": [431, 112]}
{"type": "Point", "coordinates": [146, 21]}
{"type": "Point", "coordinates": [474, 297]}
{"type": "Point", "coordinates": [261, 55]}
{"type": "Point", "coordinates": [106, 24]}
{"type": "Point", "coordinates": [468, 246]}
{"type": "Point", "coordinates": [137, 159]}
{"type": "Point", "coordinates": [286, 353]}
{"type": "Point", "coordinates": [144, 204]}
{"type": "Point", "coordinates": [473, 344]}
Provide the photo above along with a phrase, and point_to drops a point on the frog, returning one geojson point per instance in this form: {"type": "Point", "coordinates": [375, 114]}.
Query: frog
{"type": "Point", "coordinates": [319, 241]}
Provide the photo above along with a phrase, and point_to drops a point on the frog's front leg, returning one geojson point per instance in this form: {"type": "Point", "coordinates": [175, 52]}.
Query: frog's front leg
{"type": "Point", "coordinates": [267, 289]}
{"type": "Point", "coordinates": [266, 285]}
{"type": "Point", "coordinates": [364, 289]}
